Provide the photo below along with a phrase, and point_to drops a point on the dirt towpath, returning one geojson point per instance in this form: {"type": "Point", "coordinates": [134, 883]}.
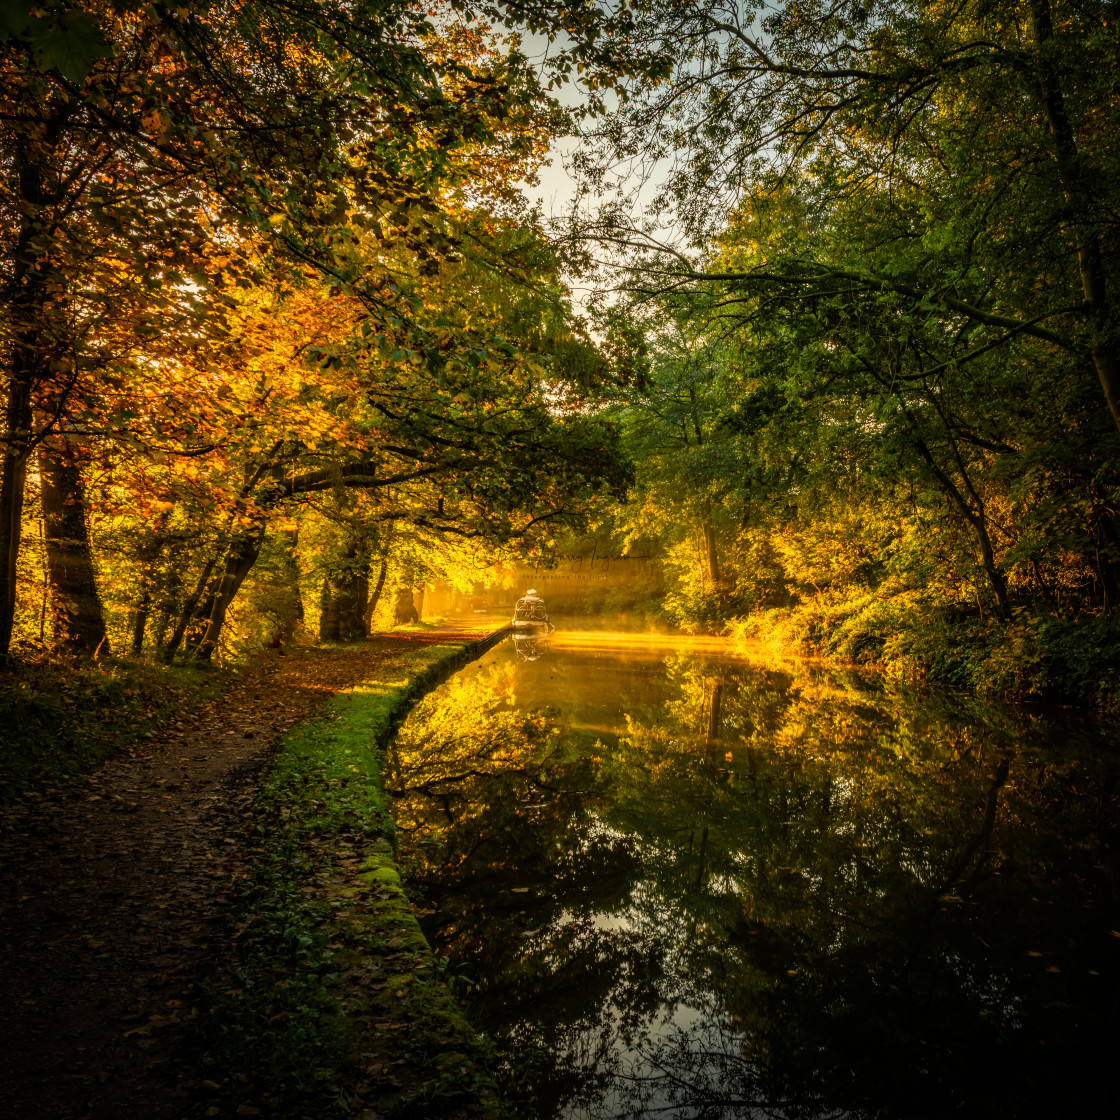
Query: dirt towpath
{"type": "Point", "coordinates": [114, 895]}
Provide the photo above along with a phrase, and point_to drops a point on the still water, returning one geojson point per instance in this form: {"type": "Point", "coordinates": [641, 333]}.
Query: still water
{"type": "Point", "coordinates": [673, 880]}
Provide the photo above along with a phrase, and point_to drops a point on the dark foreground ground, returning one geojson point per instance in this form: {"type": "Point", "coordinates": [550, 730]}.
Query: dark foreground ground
{"type": "Point", "coordinates": [114, 895]}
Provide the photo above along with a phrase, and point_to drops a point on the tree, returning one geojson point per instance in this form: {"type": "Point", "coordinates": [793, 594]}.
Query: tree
{"type": "Point", "coordinates": [162, 163]}
{"type": "Point", "coordinates": [138, 137]}
{"type": "Point", "coordinates": [687, 463]}
{"type": "Point", "coordinates": [857, 100]}
{"type": "Point", "coordinates": [866, 213]}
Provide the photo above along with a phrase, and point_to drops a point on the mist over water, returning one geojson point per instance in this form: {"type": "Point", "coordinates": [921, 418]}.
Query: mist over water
{"type": "Point", "coordinates": [594, 591]}
{"type": "Point", "coordinates": [674, 879]}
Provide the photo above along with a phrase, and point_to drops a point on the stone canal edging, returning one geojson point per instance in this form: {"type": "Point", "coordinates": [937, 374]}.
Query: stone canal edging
{"type": "Point", "coordinates": [336, 1004]}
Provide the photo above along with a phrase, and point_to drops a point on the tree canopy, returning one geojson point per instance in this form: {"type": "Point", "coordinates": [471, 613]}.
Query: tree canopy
{"type": "Point", "coordinates": [887, 233]}
{"type": "Point", "coordinates": [261, 259]}
{"type": "Point", "coordinates": [268, 270]}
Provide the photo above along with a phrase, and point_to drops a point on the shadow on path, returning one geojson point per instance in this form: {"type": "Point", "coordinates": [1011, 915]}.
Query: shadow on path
{"type": "Point", "coordinates": [114, 896]}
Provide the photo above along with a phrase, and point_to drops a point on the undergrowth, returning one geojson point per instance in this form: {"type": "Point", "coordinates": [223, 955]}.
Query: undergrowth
{"type": "Point", "coordinates": [1034, 655]}
{"type": "Point", "coordinates": [60, 718]}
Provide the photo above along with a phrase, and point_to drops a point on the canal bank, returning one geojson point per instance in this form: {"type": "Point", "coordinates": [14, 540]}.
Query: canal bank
{"type": "Point", "coordinates": [337, 1005]}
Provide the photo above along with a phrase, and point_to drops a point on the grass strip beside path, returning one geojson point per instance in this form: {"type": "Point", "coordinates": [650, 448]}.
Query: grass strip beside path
{"type": "Point", "coordinates": [338, 1007]}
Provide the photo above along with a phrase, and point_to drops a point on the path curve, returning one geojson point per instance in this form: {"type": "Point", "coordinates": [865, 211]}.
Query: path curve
{"type": "Point", "coordinates": [114, 898]}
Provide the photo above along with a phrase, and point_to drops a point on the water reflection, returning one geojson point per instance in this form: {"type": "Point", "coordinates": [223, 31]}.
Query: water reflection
{"type": "Point", "coordinates": [690, 886]}
{"type": "Point", "coordinates": [531, 645]}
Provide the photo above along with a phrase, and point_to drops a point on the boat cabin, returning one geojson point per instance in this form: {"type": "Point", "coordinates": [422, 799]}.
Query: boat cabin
{"type": "Point", "coordinates": [530, 610]}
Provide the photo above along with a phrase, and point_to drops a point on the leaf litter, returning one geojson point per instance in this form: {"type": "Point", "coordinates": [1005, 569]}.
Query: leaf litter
{"type": "Point", "coordinates": [114, 899]}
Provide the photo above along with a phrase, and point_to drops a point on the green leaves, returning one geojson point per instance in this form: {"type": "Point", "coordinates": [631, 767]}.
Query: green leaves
{"type": "Point", "coordinates": [69, 41]}
{"type": "Point", "coordinates": [880, 234]}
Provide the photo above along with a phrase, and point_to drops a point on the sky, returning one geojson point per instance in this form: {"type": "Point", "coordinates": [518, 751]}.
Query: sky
{"type": "Point", "coordinates": [557, 188]}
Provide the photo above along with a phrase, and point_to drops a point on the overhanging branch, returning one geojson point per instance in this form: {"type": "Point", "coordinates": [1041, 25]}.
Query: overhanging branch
{"type": "Point", "coordinates": [359, 475]}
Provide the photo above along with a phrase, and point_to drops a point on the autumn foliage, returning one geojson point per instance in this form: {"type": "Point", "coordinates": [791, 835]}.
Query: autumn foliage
{"type": "Point", "coordinates": [273, 309]}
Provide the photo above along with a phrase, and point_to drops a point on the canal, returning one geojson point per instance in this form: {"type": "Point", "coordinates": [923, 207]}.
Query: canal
{"type": "Point", "coordinates": [676, 880]}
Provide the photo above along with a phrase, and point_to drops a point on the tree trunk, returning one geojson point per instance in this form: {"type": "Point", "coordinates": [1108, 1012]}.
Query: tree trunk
{"type": "Point", "coordinates": [163, 618]}
{"type": "Point", "coordinates": [290, 610]}
{"type": "Point", "coordinates": [190, 608]}
{"type": "Point", "coordinates": [13, 478]}
{"type": "Point", "coordinates": [79, 620]}
{"type": "Point", "coordinates": [29, 285]}
{"type": "Point", "coordinates": [353, 594]}
{"type": "Point", "coordinates": [978, 519]}
{"type": "Point", "coordinates": [344, 597]}
{"type": "Point", "coordinates": [973, 511]}
{"type": "Point", "coordinates": [1079, 197]}
{"type": "Point", "coordinates": [146, 556]}
{"type": "Point", "coordinates": [711, 553]}
{"type": "Point", "coordinates": [330, 624]}
{"type": "Point", "coordinates": [995, 576]}
{"type": "Point", "coordinates": [375, 596]}
{"type": "Point", "coordinates": [240, 559]}
{"type": "Point", "coordinates": [404, 610]}
{"type": "Point", "coordinates": [1108, 560]}
{"type": "Point", "coordinates": [138, 624]}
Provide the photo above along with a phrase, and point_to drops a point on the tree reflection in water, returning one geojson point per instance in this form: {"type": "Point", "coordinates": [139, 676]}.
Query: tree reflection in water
{"type": "Point", "coordinates": [686, 887]}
